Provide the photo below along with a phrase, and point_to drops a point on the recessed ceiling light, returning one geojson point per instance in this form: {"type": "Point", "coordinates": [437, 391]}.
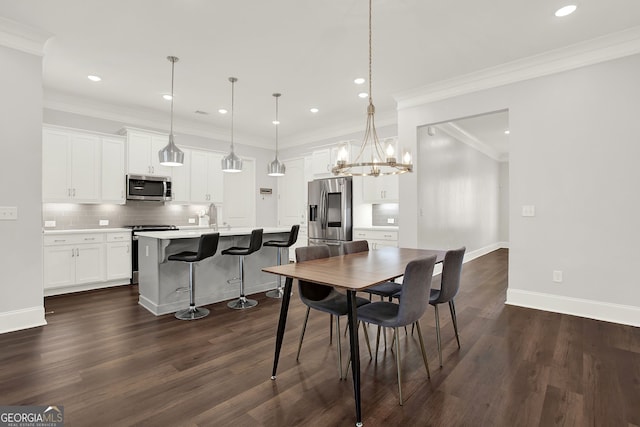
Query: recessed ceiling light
{"type": "Point", "coordinates": [276, 122]}
{"type": "Point", "coordinates": [506, 132]}
{"type": "Point", "coordinates": [94, 78]}
{"type": "Point", "coordinates": [222, 111]}
{"type": "Point", "coordinates": [363, 94]}
{"type": "Point", "coordinates": [167, 97]}
{"type": "Point", "coordinates": [359, 81]}
{"type": "Point", "coordinates": [314, 110]}
{"type": "Point", "coordinates": [566, 10]}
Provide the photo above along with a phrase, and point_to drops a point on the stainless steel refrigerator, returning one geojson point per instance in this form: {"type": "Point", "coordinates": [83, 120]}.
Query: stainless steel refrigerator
{"type": "Point", "coordinates": [330, 212]}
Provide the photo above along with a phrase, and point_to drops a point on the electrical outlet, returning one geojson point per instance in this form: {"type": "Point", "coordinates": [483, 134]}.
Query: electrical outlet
{"type": "Point", "coordinates": [557, 276]}
{"type": "Point", "coordinates": [528, 210]}
{"type": "Point", "coordinates": [8, 213]}
{"type": "Point", "coordinates": [192, 220]}
{"type": "Point", "coordinates": [391, 221]}
{"type": "Point", "coordinates": [104, 222]}
{"type": "Point", "coordinates": [49, 223]}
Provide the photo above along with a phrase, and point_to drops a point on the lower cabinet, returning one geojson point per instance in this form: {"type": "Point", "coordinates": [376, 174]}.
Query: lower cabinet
{"type": "Point", "coordinates": [376, 238]}
{"type": "Point", "coordinates": [81, 261]}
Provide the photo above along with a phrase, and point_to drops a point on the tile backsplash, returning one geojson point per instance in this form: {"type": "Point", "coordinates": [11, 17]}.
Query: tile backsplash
{"type": "Point", "coordinates": [385, 214]}
{"type": "Point", "coordinates": [81, 216]}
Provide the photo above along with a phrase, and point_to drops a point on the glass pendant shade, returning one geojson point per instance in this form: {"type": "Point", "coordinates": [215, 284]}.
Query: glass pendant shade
{"type": "Point", "coordinates": [171, 155]}
{"type": "Point", "coordinates": [275, 168]}
{"type": "Point", "coordinates": [232, 163]}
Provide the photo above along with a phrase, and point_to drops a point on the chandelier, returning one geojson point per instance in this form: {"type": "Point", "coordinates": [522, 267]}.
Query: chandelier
{"type": "Point", "coordinates": [372, 159]}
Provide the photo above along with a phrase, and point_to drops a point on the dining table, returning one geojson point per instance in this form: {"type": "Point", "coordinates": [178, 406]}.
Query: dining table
{"type": "Point", "coordinates": [350, 273]}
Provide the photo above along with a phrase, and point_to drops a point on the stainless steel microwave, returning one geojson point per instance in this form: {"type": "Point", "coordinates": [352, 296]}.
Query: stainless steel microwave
{"type": "Point", "coordinates": [154, 188]}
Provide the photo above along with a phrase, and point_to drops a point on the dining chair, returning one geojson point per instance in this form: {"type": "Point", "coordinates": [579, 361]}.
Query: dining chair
{"type": "Point", "coordinates": [323, 298]}
{"type": "Point", "coordinates": [409, 310]}
{"type": "Point", "coordinates": [449, 286]}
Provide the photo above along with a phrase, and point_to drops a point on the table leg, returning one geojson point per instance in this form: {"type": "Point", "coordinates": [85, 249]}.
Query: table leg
{"type": "Point", "coordinates": [355, 352]}
{"type": "Point", "coordinates": [282, 322]}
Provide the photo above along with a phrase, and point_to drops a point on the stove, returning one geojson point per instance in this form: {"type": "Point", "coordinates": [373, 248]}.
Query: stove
{"type": "Point", "coordinates": [134, 241]}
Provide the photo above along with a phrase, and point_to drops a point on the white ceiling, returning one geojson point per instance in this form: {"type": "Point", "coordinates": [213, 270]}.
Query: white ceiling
{"type": "Point", "coordinates": [310, 51]}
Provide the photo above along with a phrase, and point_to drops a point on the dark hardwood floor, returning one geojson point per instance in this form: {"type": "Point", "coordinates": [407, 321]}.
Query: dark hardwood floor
{"type": "Point", "coordinates": [111, 363]}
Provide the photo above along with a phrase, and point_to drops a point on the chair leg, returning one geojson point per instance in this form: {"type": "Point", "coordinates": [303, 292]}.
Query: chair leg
{"type": "Point", "coordinates": [438, 334]}
{"type": "Point", "coordinates": [304, 327]}
{"type": "Point", "coordinates": [395, 335]}
{"type": "Point", "coordinates": [366, 337]}
{"type": "Point", "coordinates": [424, 353]}
{"type": "Point", "coordinates": [330, 329]}
{"type": "Point", "coordinates": [339, 348]}
{"type": "Point", "coordinates": [454, 319]}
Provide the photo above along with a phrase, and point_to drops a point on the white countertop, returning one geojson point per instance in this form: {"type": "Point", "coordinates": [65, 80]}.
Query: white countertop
{"type": "Point", "coordinates": [88, 230]}
{"type": "Point", "coordinates": [378, 227]}
{"type": "Point", "coordinates": [190, 234]}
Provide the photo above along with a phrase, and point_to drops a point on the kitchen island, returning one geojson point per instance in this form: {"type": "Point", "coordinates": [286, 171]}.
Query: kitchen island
{"type": "Point", "coordinates": [163, 284]}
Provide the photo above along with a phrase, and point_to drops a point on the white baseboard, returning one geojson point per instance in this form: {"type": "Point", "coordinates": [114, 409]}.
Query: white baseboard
{"type": "Point", "coordinates": [22, 319]}
{"type": "Point", "coordinates": [85, 287]}
{"type": "Point", "coordinates": [475, 254]}
{"type": "Point", "coordinates": [609, 312]}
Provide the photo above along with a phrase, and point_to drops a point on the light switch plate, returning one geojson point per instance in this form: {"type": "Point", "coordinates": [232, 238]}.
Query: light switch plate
{"type": "Point", "coordinates": [391, 221]}
{"type": "Point", "coordinates": [49, 223]}
{"type": "Point", "coordinates": [192, 220]}
{"type": "Point", "coordinates": [104, 222]}
{"type": "Point", "coordinates": [528, 210]}
{"type": "Point", "coordinates": [9, 213]}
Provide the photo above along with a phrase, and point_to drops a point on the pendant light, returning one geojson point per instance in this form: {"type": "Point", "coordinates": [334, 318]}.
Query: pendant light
{"type": "Point", "coordinates": [232, 163]}
{"type": "Point", "coordinates": [275, 168]}
{"type": "Point", "coordinates": [171, 155]}
{"type": "Point", "coordinates": [369, 161]}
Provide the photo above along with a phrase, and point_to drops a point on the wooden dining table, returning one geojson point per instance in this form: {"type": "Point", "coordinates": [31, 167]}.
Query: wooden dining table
{"type": "Point", "coordinates": [351, 273]}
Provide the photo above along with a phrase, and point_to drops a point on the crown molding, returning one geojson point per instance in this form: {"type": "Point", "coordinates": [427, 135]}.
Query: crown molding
{"type": "Point", "coordinates": [141, 118]}
{"type": "Point", "coordinates": [601, 49]}
{"type": "Point", "coordinates": [383, 118]}
{"type": "Point", "coordinates": [22, 37]}
{"type": "Point", "coordinates": [459, 133]}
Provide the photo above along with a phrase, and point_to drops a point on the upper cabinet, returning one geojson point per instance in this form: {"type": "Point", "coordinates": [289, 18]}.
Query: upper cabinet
{"type": "Point", "coordinates": [206, 177]}
{"type": "Point", "coordinates": [70, 166]}
{"type": "Point", "coordinates": [323, 161]}
{"type": "Point", "coordinates": [381, 189]}
{"type": "Point", "coordinates": [181, 179]}
{"type": "Point", "coordinates": [113, 170]}
{"type": "Point", "coordinates": [143, 148]}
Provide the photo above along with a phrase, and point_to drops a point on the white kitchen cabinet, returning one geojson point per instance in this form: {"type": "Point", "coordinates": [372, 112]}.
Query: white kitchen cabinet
{"type": "Point", "coordinates": [321, 162]}
{"type": "Point", "coordinates": [376, 238]}
{"type": "Point", "coordinates": [239, 208]}
{"type": "Point", "coordinates": [118, 249]}
{"type": "Point", "coordinates": [113, 171]}
{"type": "Point", "coordinates": [181, 179]}
{"type": "Point", "coordinates": [207, 184]}
{"type": "Point", "coordinates": [143, 148]}
{"type": "Point", "coordinates": [380, 189]}
{"type": "Point", "coordinates": [292, 201]}
{"type": "Point", "coordinates": [73, 259]}
{"type": "Point", "coordinates": [70, 166]}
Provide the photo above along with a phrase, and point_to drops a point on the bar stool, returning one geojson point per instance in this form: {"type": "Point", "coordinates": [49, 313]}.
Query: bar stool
{"type": "Point", "coordinates": [254, 245]}
{"type": "Point", "coordinates": [280, 244]}
{"type": "Point", "coordinates": [207, 246]}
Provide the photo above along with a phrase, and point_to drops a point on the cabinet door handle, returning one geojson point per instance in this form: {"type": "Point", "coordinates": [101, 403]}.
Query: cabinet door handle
{"type": "Point", "coordinates": [116, 238]}
{"type": "Point", "coordinates": [73, 253]}
{"type": "Point", "coordinates": [69, 192]}
{"type": "Point", "coordinates": [128, 248]}
{"type": "Point", "coordinates": [59, 240]}
{"type": "Point", "coordinates": [89, 238]}
{"type": "Point", "coordinates": [74, 192]}
{"type": "Point", "coordinates": [77, 252]}
{"type": "Point", "coordinates": [153, 169]}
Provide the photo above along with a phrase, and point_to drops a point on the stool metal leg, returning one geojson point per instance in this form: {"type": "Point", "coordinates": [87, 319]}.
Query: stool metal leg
{"type": "Point", "coordinates": [277, 292]}
{"type": "Point", "coordinates": [193, 312]}
{"type": "Point", "coordinates": [242, 302]}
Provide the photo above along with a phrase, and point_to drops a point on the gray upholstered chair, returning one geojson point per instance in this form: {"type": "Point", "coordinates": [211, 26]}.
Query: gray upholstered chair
{"type": "Point", "coordinates": [409, 310]}
{"type": "Point", "coordinates": [323, 298]}
{"type": "Point", "coordinates": [386, 289]}
{"type": "Point", "coordinates": [449, 286]}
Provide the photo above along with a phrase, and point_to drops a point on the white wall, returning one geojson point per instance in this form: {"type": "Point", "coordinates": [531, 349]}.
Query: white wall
{"type": "Point", "coordinates": [458, 194]}
{"type": "Point", "coordinates": [573, 154]}
{"type": "Point", "coordinates": [22, 301]}
{"type": "Point", "coordinates": [503, 209]}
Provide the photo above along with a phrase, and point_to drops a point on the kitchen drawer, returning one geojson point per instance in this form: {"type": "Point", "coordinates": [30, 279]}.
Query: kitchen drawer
{"type": "Point", "coordinates": [360, 234]}
{"type": "Point", "coordinates": [118, 237]}
{"type": "Point", "coordinates": [73, 239]}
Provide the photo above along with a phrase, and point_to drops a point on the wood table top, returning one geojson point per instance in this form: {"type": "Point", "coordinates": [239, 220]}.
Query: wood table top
{"type": "Point", "coordinates": [356, 271]}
